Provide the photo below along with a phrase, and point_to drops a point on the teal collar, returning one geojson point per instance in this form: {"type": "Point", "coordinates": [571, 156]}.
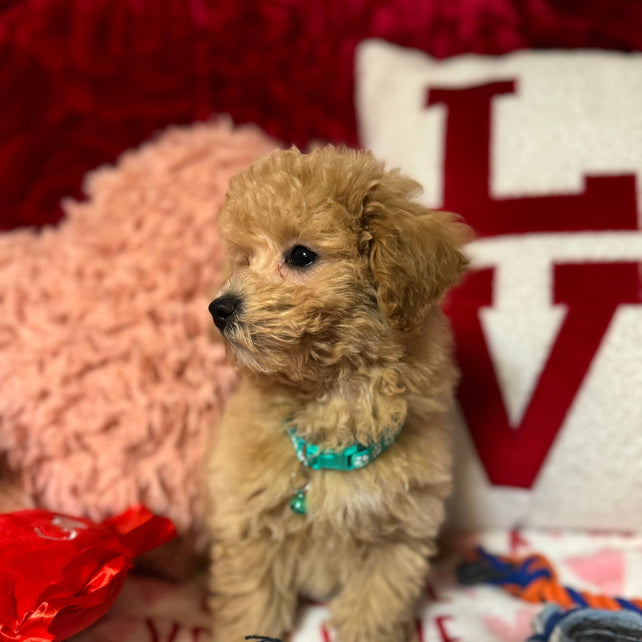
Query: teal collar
{"type": "Point", "coordinates": [351, 458]}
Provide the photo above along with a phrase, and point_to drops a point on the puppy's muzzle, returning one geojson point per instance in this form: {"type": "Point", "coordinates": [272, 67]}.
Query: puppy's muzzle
{"type": "Point", "coordinates": [224, 310]}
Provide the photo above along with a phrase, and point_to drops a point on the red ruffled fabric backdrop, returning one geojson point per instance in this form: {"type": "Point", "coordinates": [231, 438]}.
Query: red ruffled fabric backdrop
{"type": "Point", "coordinates": [82, 81]}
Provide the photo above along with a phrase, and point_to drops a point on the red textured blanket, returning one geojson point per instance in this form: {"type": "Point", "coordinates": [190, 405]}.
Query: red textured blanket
{"type": "Point", "coordinates": [81, 82]}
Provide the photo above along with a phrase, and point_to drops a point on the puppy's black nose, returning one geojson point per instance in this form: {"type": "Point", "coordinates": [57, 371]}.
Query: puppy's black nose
{"type": "Point", "coordinates": [223, 309]}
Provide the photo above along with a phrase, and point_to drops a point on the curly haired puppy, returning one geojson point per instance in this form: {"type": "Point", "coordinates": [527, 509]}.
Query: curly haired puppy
{"type": "Point", "coordinates": [331, 317]}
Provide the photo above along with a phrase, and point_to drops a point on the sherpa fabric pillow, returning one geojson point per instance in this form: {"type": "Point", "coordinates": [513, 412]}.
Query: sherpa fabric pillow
{"type": "Point", "coordinates": [109, 374]}
{"type": "Point", "coordinates": [541, 152]}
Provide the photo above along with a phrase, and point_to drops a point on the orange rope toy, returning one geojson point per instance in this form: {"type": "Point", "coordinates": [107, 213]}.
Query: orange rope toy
{"type": "Point", "coordinates": [533, 578]}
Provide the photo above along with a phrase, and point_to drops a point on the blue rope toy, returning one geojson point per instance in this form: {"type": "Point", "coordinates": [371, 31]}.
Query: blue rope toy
{"type": "Point", "coordinates": [571, 615]}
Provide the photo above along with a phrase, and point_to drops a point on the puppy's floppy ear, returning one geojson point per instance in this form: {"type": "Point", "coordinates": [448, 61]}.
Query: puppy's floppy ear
{"type": "Point", "coordinates": [414, 252]}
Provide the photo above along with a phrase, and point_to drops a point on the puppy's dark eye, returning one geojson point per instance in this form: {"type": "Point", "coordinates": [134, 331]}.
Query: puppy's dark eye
{"type": "Point", "coordinates": [300, 257]}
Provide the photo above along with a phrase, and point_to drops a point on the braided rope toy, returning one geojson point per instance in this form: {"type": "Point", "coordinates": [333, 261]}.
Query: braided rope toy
{"type": "Point", "coordinates": [533, 578]}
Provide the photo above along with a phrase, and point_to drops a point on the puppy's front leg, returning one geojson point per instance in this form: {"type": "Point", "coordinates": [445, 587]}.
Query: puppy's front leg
{"type": "Point", "coordinates": [377, 601]}
{"type": "Point", "coordinates": [251, 591]}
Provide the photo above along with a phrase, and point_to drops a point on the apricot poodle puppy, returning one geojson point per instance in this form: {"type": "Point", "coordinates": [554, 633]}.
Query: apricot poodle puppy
{"type": "Point", "coordinates": [331, 465]}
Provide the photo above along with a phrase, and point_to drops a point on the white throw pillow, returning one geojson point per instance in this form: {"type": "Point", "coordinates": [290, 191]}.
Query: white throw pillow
{"type": "Point", "coordinates": [541, 152]}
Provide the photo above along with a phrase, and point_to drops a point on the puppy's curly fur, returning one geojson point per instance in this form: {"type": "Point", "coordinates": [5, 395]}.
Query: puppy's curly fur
{"type": "Point", "coordinates": [347, 348]}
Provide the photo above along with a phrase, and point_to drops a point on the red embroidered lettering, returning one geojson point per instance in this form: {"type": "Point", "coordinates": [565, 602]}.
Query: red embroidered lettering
{"type": "Point", "coordinates": [513, 455]}
{"type": "Point", "coordinates": [325, 634]}
{"type": "Point", "coordinates": [441, 625]}
{"type": "Point", "coordinates": [156, 636]}
{"type": "Point", "coordinates": [196, 633]}
{"type": "Point", "coordinates": [419, 630]}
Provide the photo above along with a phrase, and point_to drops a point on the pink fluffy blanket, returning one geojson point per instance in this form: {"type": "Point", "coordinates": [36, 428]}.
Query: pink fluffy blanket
{"type": "Point", "coordinates": [111, 379]}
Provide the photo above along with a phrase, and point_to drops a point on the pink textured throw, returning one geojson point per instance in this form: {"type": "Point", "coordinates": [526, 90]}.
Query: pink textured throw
{"type": "Point", "coordinates": [110, 375]}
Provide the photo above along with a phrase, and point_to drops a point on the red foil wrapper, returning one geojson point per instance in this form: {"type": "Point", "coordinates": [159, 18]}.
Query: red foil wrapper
{"type": "Point", "coordinates": [59, 574]}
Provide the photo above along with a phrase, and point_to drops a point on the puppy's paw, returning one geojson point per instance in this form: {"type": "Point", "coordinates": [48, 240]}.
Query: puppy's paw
{"type": "Point", "coordinates": [251, 616]}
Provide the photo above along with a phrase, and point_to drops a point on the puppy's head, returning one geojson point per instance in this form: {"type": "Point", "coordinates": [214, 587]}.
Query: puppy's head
{"type": "Point", "coordinates": [332, 263]}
